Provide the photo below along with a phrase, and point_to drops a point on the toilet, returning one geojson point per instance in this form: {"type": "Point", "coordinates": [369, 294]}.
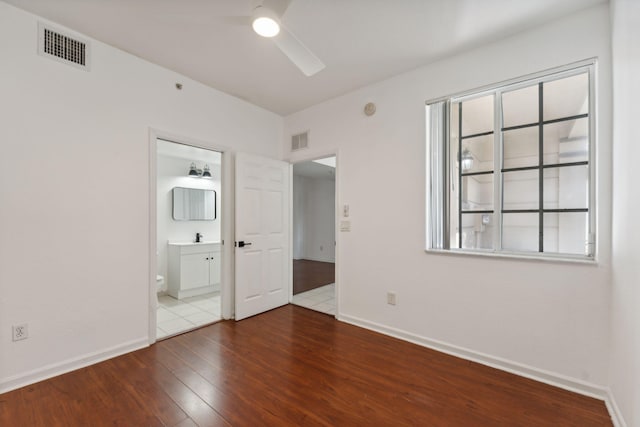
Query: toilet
{"type": "Point", "coordinates": [159, 284]}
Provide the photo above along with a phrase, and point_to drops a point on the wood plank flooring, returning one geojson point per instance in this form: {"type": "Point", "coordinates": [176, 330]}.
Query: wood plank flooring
{"type": "Point", "coordinates": [309, 274]}
{"type": "Point", "coordinates": [293, 366]}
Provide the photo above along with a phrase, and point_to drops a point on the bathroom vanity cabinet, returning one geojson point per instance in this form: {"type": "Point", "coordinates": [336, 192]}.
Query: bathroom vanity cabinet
{"type": "Point", "coordinates": [194, 269]}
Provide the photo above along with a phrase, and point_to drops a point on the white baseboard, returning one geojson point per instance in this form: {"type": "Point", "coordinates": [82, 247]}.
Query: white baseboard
{"type": "Point", "coordinates": [614, 410]}
{"type": "Point", "coordinates": [551, 378]}
{"type": "Point", "coordinates": [55, 369]}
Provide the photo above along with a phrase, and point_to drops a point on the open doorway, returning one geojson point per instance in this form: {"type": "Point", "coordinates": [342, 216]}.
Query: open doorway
{"type": "Point", "coordinates": [314, 195]}
{"type": "Point", "coordinates": [188, 236]}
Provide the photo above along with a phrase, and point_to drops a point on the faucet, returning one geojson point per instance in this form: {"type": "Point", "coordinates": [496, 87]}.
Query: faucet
{"type": "Point", "coordinates": [199, 237]}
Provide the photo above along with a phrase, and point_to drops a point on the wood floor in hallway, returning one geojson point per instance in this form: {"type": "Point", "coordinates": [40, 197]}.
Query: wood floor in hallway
{"type": "Point", "coordinates": [309, 274]}
{"type": "Point", "coordinates": [293, 366]}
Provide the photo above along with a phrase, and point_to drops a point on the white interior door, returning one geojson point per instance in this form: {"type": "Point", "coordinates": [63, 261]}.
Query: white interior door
{"type": "Point", "coordinates": [262, 234]}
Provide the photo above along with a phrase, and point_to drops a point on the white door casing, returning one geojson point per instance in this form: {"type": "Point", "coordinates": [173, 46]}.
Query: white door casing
{"type": "Point", "coordinates": [262, 223]}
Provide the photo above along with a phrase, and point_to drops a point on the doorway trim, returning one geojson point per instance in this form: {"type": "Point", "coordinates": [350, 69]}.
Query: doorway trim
{"type": "Point", "coordinates": [296, 158]}
{"type": "Point", "coordinates": [226, 222]}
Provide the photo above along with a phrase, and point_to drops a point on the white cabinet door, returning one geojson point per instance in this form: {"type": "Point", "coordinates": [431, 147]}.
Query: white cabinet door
{"type": "Point", "coordinates": [262, 223]}
{"type": "Point", "coordinates": [194, 272]}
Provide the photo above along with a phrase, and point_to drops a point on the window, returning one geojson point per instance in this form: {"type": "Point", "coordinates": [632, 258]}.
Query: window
{"type": "Point", "coordinates": [511, 168]}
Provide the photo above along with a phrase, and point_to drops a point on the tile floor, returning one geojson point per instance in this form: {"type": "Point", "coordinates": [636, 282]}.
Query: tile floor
{"type": "Point", "coordinates": [319, 299]}
{"type": "Point", "coordinates": [175, 316]}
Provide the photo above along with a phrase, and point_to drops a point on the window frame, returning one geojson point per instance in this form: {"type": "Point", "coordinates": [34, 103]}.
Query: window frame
{"type": "Point", "coordinates": [439, 174]}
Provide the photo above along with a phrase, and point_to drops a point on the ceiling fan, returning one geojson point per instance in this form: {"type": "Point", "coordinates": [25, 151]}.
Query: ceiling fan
{"type": "Point", "coordinates": [266, 22]}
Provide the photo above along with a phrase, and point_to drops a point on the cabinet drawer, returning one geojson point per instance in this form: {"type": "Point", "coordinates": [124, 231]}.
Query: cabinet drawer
{"type": "Point", "coordinates": [199, 248]}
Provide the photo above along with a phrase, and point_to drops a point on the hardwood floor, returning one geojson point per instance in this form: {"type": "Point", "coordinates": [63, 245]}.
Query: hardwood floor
{"type": "Point", "coordinates": [309, 274]}
{"type": "Point", "coordinates": [293, 366]}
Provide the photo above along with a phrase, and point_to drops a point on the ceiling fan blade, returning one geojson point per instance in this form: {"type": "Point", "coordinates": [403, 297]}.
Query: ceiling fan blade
{"type": "Point", "coordinates": [298, 53]}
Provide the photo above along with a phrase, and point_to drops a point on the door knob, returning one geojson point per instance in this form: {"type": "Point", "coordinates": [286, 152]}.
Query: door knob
{"type": "Point", "coordinates": [242, 244]}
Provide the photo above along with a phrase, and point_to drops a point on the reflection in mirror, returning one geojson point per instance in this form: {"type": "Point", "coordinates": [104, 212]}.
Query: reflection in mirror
{"type": "Point", "coordinates": [192, 204]}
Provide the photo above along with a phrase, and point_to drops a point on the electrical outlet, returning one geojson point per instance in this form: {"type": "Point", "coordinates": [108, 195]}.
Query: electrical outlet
{"type": "Point", "coordinates": [20, 332]}
{"type": "Point", "coordinates": [391, 298]}
{"type": "Point", "coordinates": [321, 248]}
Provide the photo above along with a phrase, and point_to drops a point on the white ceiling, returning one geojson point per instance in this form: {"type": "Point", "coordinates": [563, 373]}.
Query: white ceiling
{"type": "Point", "coordinates": [194, 154]}
{"type": "Point", "coordinates": [360, 41]}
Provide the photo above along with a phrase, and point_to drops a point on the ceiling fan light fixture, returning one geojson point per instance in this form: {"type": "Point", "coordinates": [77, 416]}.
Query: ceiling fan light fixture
{"type": "Point", "coordinates": [265, 22]}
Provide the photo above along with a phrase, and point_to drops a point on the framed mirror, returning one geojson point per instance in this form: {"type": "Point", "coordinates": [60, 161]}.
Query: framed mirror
{"type": "Point", "coordinates": [193, 204]}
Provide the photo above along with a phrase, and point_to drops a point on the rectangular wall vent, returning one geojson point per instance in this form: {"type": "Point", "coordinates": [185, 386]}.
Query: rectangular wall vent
{"type": "Point", "coordinates": [300, 141]}
{"type": "Point", "coordinates": [63, 47]}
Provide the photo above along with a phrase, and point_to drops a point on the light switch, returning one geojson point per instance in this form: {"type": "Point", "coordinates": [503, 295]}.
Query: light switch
{"type": "Point", "coordinates": [345, 211]}
{"type": "Point", "coordinates": [345, 225]}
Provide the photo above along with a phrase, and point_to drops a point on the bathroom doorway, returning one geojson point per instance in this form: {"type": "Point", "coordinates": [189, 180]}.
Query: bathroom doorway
{"type": "Point", "coordinates": [188, 237]}
{"type": "Point", "coordinates": [314, 234]}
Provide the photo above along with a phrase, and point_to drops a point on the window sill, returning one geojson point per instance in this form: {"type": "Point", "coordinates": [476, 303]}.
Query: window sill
{"type": "Point", "coordinates": [566, 259]}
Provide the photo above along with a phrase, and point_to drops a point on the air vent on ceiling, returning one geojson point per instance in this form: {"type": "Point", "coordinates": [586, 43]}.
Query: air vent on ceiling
{"type": "Point", "coordinates": [63, 47]}
{"type": "Point", "coordinates": [300, 141]}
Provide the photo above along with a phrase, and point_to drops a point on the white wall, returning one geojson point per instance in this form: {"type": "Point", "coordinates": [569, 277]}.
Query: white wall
{"type": "Point", "coordinates": [299, 201]}
{"type": "Point", "coordinates": [550, 316]}
{"type": "Point", "coordinates": [625, 328]}
{"type": "Point", "coordinates": [172, 172]}
{"type": "Point", "coordinates": [313, 219]}
{"type": "Point", "coordinates": [320, 220]}
{"type": "Point", "coordinates": [74, 185]}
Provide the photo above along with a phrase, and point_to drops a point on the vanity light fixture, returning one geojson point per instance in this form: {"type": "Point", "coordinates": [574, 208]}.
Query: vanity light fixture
{"type": "Point", "coordinates": [205, 172]}
{"type": "Point", "coordinates": [193, 171]}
